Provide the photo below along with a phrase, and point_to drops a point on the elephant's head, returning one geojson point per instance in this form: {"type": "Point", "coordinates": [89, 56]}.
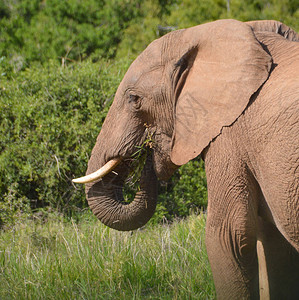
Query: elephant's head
{"type": "Point", "coordinates": [178, 93]}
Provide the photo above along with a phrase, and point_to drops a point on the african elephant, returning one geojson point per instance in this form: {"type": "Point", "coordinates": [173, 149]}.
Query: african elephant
{"type": "Point", "coordinates": [227, 91]}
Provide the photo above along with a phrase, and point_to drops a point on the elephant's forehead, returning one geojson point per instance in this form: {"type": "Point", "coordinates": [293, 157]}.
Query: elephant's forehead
{"type": "Point", "coordinates": [143, 65]}
{"type": "Point", "coordinates": [157, 54]}
{"type": "Point", "coordinates": [153, 52]}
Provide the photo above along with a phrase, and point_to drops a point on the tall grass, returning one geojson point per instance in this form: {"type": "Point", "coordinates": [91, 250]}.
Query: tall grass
{"type": "Point", "coordinates": [86, 260]}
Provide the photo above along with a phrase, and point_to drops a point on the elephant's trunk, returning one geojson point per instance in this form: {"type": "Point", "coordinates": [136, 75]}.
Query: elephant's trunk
{"type": "Point", "coordinates": [105, 198]}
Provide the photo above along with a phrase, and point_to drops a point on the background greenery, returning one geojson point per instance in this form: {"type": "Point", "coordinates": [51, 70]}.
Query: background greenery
{"type": "Point", "coordinates": [60, 65]}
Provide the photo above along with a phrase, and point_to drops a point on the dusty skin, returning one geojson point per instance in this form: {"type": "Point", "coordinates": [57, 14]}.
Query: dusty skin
{"type": "Point", "coordinates": [227, 91]}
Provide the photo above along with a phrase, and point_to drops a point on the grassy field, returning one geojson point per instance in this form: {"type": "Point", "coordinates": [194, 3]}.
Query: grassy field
{"type": "Point", "coordinates": [55, 259]}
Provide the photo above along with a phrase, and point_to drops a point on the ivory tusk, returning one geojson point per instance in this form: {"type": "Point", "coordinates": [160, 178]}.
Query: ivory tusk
{"type": "Point", "coordinates": [107, 168]}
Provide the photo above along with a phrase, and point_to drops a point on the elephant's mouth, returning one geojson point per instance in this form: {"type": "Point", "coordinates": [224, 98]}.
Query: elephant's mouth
{"type": "Point", "coordinates": [135, 165]}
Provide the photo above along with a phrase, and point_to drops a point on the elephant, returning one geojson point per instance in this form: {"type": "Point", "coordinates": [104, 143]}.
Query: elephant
{"type": "Point", "coordinates": [226, 91]}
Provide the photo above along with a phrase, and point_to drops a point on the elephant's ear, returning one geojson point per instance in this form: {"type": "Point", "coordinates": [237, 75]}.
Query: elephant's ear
{"type": "Point", "coordinates": [220, 71]}
{"type": "Point", "coordinates": [274, 26]}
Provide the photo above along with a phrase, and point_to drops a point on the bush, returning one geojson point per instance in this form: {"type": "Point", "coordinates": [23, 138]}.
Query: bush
{"type": "Point", "coordinates": [50, 117]}
{"type": "Point", "coordinates": [13, 209]}
{"type": "Point", "coordinates": [185, 193]}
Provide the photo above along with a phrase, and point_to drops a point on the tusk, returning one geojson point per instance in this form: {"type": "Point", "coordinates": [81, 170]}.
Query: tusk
{"type": "Point", "coordinates": [107, 168]}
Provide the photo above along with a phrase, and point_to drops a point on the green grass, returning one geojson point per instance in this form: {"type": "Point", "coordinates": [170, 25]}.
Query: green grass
{"type": "Point", "coordinates": [86, 260]}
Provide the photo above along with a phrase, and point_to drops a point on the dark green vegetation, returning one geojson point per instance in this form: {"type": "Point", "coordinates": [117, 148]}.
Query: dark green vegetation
{"type": "Point", "coordinates": [60, 65]}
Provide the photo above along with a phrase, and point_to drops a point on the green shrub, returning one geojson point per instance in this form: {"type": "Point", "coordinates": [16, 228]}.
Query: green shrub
{"type": "Point", "coordinates": [13, 209]}
{"type": "Point", "coordinates": [50, 117]}
{"type": "Point", "coordinates": [186, 192]}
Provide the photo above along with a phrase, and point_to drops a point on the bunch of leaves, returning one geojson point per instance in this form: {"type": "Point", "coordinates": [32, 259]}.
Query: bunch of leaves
{"type": "Point", "coordinates": [138, 158]}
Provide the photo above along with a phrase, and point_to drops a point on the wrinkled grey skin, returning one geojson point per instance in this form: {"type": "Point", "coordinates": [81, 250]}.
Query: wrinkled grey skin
{"type": "Point", "coordinates": [227, 91]}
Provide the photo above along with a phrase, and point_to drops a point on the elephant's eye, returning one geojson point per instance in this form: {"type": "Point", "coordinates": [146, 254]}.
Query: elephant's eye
{"type": "Point", "coordinates": [135, 100]}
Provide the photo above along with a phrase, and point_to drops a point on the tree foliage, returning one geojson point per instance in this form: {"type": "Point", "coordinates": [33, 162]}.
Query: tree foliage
{"type": "Point", "coordinates": [60, 65]}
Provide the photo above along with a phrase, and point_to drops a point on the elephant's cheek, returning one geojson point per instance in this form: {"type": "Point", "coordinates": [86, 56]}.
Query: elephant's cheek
{"type": "Point", "coordinates": [163, 166]}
